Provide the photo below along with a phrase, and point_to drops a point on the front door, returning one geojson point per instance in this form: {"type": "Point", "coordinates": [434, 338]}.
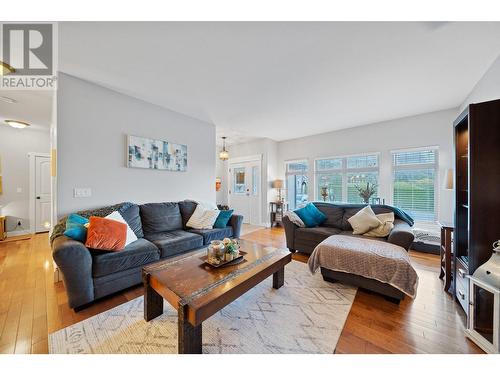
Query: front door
{"type": "Point", "coordinates": [42, 193]}
{"type": "Point", "coordinates": [244, 191]}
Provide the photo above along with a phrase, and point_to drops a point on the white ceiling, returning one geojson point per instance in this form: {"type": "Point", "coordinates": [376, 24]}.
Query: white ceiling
{"type": "Point", "coordinates": [284, 80]}
{"type": "Point", "coordinates": [32, 106]}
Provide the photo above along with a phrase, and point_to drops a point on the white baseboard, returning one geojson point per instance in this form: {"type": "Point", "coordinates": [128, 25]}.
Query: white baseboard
{"type": "Point", "coordinates": [18, 233]}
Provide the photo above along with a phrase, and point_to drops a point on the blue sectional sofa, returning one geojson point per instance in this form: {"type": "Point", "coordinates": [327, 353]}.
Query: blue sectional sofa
{"type": "Point", "coordinates": [161, 231]}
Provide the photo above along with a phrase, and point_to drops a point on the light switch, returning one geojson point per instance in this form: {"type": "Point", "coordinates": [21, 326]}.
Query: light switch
{"type": "Point", "coordinates": [82, 192]}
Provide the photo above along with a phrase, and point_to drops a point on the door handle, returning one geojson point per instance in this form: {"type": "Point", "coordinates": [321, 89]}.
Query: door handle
{"type": "Point", "coordinates": [38, 198]}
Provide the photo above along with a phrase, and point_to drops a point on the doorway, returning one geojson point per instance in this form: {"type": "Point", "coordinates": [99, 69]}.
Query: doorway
{"type": "Point", "coordinates": [40, 192]}
{"type": "Point", "coordinates": [245, 190]}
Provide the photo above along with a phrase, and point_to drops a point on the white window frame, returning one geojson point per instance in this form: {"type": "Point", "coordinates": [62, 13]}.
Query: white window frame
{"type": "Point", "coordinates": [287, 173]}
{"type": "Point", "coordinates": [419, 166]}
{"type": "Point", "coordinates": [344, 171]}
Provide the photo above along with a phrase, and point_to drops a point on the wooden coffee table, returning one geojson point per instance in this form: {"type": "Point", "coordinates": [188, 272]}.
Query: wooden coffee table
{"type": "Point", "coordinates": [197, 290]}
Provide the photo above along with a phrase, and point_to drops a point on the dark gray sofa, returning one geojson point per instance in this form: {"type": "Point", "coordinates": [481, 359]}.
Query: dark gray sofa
{"type": "Point", "coordinates": [306, 239]}
{"type": "Point", "coordinates": [161, 231]}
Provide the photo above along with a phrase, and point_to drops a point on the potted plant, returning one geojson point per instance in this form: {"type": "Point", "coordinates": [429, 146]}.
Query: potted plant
{"type": "Point", "coordinates": [232, 249]}
{"type": "Point", "coordinates": [367, 191]}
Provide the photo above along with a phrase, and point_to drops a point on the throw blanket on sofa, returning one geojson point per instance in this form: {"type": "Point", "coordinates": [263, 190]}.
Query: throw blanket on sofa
{"type": "Point", "coordinates": [373, 259]}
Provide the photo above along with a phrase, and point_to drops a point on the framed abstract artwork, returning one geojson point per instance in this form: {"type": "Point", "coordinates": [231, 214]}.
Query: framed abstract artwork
{"type": "Point", "coordinates": [155, 154]}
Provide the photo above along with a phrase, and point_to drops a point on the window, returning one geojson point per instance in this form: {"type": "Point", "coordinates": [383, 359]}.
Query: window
{"type": "Point", "coordinates": [239, 180]}
{"type": "Point", "coordinates": [296, 183]}
{"type": "Point", "coordinates": [414, 184]}
{"type": "Point", "coordinates": [338, 179]}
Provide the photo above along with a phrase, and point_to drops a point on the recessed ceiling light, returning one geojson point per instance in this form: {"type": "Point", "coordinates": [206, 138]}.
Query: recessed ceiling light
{"type": "Point", "coordinates": [6, 99]}
{"type": "Point", "coordinates": [6, 69]}
{"type": "Point", "coordinates": [17, 124]}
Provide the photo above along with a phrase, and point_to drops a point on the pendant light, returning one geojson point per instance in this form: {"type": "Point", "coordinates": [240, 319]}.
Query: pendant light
{"type": "Point", "coordinates": [223, 155]}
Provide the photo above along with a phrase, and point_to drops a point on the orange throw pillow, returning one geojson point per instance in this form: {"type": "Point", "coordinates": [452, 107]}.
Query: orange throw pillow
{"type": "Point", "coordinates": [106, 234]}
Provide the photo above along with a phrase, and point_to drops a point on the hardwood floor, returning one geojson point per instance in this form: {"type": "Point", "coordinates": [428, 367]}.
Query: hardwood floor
{"type": "Point", "coordinates": [32, 306]}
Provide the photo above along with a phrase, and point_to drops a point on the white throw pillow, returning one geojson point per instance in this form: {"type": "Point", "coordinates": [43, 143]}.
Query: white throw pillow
{"type": "Point", "coordinates": [364, 220]}
{"type": "Point", "coordinates": [294, 218]}
{"type": "Point", "coordinates": [131, 237]}
{"type": "Point", "coordinates": [202, 218]}
{"type": "Point", "coordinates": [383, 229]}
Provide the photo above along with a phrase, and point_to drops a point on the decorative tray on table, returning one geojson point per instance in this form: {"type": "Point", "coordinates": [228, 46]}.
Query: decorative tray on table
{"type": "Point", "coordinates": [240, 258]}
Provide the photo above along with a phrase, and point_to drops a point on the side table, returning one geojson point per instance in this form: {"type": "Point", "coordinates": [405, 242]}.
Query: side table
{"type": "Point", "coordinates": [277, 209]}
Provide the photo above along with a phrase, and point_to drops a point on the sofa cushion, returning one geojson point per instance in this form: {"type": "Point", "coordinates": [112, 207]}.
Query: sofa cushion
{"type": "Point", "coordinates": [187, 208]}
{"type": "Point", "coordinates": [175, 242]}
{"type": "Point", "coordinates": [364, 221]}
{"type": "Point", "coordinates": [334, 214]}
{"type": "Point", "coordinates": [160, 217]}
{"type": "Point", "coordinates": [136, 254]}
{"type": "Point", "coordinates": [349, 212]}
{"type": "Point", "coordinates": [132, 216]}
{"type": "Point", "coordinates": [315, 235]}
{"type": "Point", "coordinates": [213, 234]}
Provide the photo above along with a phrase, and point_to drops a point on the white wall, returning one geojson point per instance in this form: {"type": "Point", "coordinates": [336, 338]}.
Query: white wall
{"type": "Point", "coordinates": [432, 129]}
{"type": "Point", "coordinates": [487, 88]}
{"type": "Point", "coordinates": [15, 144]}
{"type": "Point", "coordinates": [92, 124]}
{"type": "Point", "coordinates": [269, 151]}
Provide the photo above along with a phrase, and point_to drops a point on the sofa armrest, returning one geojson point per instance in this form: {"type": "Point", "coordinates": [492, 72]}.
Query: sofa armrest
{"type": "Point", "coordinates": [289, 233]}
{"type": "Point", "coordinates": [75, 263]}
{"type": "Point", "coordinates": [401, 234]}
{"type": "Point", "coordinates": [235, 222]}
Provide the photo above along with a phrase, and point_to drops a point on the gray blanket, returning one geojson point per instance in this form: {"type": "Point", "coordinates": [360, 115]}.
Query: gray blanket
{"type": "Point", "coordinates": [373, 259]}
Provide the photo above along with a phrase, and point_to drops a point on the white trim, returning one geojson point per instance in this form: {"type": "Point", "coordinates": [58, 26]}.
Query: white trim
{"type": "Point", "coordinates": [31, 197]}
{"type": "Point", "coordinates": [244, 159]}
{"type": "Point", "coordinates": [15, 233]}
{"type": "Point", "coordinates": [347, 155]}
{"type": "Point", "coordinates": [412, 149]}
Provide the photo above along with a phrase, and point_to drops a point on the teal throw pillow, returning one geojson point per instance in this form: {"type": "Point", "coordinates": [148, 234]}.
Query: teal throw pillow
{"type": "Point", "coordinates": [311, 216]}
{"type": "Point", "coordinates": [75, 227]}
{"type": "Point", "coordinates": [223, 218]}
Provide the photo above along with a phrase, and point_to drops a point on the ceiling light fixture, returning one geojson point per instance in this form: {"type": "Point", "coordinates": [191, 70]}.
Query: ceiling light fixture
{"type": "Point", "coordinates": [17, 124]}
{"type": "Point", "coordinates": [6, 69]}
{"type": "Point", "coordinates": [223, 155]}
{"type": "Point", "coordinates": [6, 99]}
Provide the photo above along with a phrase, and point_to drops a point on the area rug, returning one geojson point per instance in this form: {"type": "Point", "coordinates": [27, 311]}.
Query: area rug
{"type": "Point", "coordinates": [306, 315]}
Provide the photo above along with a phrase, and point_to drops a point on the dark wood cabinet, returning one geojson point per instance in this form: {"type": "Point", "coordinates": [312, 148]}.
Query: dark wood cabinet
{"type": "Point", "coordinates": [477, 191]}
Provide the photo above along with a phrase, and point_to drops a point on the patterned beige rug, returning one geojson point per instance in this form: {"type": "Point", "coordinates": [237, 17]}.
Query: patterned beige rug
{"type": "Point", "coordinates": [306, 315]}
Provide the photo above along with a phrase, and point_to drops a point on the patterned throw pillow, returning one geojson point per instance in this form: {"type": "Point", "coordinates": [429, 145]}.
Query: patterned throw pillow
{"type": "Point", "coordinates": [202, 218]}
{"type": "Point", "coordinates": [106, 234]}
{"type": "Point", "coordinates": [294, 218]}
{"type": "Point", "coordinates": [364, 220]}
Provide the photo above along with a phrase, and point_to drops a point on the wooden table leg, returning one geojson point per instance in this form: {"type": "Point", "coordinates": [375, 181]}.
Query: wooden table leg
{"type": "Point", "coordinates": [153, 302]}
{"type": "Point", "coordinates": [189, 337]}
{"type": "Point", "coordinates": [279, 278]}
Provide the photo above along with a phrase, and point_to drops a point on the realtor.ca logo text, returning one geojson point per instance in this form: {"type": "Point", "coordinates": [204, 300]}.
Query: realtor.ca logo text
{"type": "Point", "coordinates": [27, 56]}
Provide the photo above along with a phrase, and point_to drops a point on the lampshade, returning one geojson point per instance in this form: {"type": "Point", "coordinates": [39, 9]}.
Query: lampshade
{"type": "Point", "coordinates": [448, 180]}
{"type": "Point", "coordinates": [278, 184]}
